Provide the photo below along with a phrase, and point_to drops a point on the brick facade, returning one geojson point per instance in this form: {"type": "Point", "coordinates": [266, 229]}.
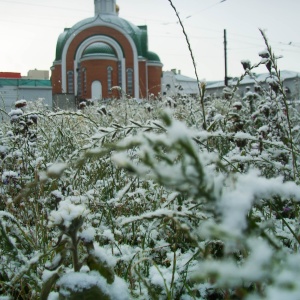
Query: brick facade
{"type": "Point", "coordinates": [154, 79]}
{"type": "Point", "coordinates": [98, 70]}
{"type": "Point", "coordinates": [126, 65]}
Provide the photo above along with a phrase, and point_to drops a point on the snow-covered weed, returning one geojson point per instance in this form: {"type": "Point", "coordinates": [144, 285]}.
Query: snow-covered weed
{"type": "Point", "coordinates": [135, 200]}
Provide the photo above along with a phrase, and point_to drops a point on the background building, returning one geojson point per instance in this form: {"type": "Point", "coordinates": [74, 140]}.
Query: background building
{"type": "Point", "coordinates": [10, 75]}
{"type": "Point", "coordinates": [38, 74]}
{"type": "Point", "coordinates": [290, 79]}
{"type": "Point", "coordinates": [176, 84]}
{"type": "Point", "coordinates": [13, 87]}
{"type": "Point", "coordinates": [101, 52]}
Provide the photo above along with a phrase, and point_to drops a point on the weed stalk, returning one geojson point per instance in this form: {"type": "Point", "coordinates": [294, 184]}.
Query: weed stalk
{"type": "Point", "coordinates": [194, 64]}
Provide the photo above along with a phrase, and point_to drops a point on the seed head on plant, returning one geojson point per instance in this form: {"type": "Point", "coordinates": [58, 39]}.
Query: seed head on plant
{"type": "Point", "coordinates": [246, 64]}
{"type": "Point", "coordinates": [69, 217]}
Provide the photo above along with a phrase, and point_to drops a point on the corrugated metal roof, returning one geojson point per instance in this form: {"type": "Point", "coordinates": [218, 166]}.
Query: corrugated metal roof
{"type": "Point", "coordinates": [251, 80]}
{"type": "Point", "coordinates": [180, 77]}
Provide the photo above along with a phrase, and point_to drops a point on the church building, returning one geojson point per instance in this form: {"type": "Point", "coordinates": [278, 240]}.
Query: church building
{"type": "Point", "coordinates": [101, 52]}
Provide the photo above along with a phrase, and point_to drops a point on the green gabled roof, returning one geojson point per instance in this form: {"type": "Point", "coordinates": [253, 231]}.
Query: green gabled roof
{"type": "Point", "coordinates": [99, 49]}
{"type": "Point", "coordinates": [138, 34]}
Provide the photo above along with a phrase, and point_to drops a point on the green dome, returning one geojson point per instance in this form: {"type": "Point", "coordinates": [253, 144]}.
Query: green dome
{"type": "Point", "coordinates": [98, 49]}
{"type": "Point", "coordinates": [60, 44]}
{"type": "Point", "coordinates": [138, 34]}
{"type": "Point", "coordinates": [151, 56]}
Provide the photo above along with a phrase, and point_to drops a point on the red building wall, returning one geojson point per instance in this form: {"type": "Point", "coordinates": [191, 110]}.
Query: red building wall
{"type": "Point", "coordinates": [154, 79]}
{"type": "Point", "coordinates": [85, 34]}
{"type": "Point", "coordinates": [97, 70]}
{"type": "Point", "coordinates": [150, 82]}
{"type": "Point", "coordinates": [56, 79]}
{"type": "Point", "coordinates": [10, 75]}
{"type": "Point", "coordinates": [143, 79]}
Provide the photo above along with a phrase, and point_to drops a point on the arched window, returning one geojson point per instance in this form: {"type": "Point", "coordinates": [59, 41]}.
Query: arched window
{"type": "Point", "coordinates": [84, 80]}
{"type": "Point", "coordinates": [129, 82]}
{"type": "Point", "coordinates": [79, 79]}
{"type": "Point", "coordinates": [70, 75]}
{"type": "Point", "coordinates": [119, 73]}
{"type": "Point", "coordinates": [109, 78]}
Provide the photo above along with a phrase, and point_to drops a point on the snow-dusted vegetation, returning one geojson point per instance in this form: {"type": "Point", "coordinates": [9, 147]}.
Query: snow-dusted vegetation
{"type": "Point", "coordinates": [135, 200]}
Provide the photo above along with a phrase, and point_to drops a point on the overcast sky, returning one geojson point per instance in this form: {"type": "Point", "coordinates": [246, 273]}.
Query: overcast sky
{"type": "Point", "coordinates": [29, 30]}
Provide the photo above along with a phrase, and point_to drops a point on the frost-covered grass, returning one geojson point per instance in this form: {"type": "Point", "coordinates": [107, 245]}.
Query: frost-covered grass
{"type": "Point", "coordinates": [135, 200]}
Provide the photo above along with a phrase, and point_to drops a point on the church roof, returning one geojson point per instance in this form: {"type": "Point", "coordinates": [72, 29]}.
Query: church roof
{"type": "Point", "coordinates": [152, 56]}
{"type": "Point", "coordinates": [255, 78]}
{"type": "Point", "coordinates": [99, 48]}
{"type": "Point", "coordinates": [138, 33]}
{"type": "Point", "coordinates": [24, 82]}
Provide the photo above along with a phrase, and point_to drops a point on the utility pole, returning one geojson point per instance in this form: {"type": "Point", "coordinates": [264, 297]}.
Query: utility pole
{"type": "Point", "coordinates": [225, 58]}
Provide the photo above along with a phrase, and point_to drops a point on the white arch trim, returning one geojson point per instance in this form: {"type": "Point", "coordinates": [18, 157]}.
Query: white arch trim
{"type": "Point", "coordinates": [94, 39]}
{"type": "Point", "coordinates": [99, 22]}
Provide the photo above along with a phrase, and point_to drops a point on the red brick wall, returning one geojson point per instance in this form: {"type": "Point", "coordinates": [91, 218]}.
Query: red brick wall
{"type": "Point", "coordinates": [97, 70]}
{"type": "Point", "coordinates": [11, 75]}
{"type": "Point", "coordinates": [120, 38]}
{"type": "Point", "coordinates": [56, 79]}
{"type": "Point", "coordinates": [142, 79]}
{"type": "Point", "coordinates": [154, 79]}
{"type": "Point", "coordinates": [97, 67]}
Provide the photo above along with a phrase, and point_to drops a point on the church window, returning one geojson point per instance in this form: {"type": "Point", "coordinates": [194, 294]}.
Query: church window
{"type": "Point", "coordinates": [70, 76]}
{"type": "Point", "coordinates": [130, 82]}
{"type": "Point", "coordinates": [119, 74]}
{"type": "Point", "coordinates": [109, 78]}
{"type": "Point", "coordinates": [79, 79]}
{"type": "Point", "coordinates": [84, 80]}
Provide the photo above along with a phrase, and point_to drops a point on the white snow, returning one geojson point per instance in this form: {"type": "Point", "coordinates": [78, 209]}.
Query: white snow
{"type": "Point", "coordinates": [57, 194]}
{"type": "Point", "coordinates": [88, 234]}
{"type": "Point", "coordinates": [7, 175]}
{"type": "Point", "coordinates": [15, 112]}
{"type": "Point", "coordinates": [78, 282]}
{"type": "Point", "coordinates": [161, 275]}
{"type": "Point", "coordinates": [235, 203]}
{"type": "Point", "coordinates": [66, 213]}
{"type": "Point", "coordinates": [20, 102]}
{"type": "Point", "coordinates": [56, 169]}
{"type": "Point", "coordinates": [105, 255]}
{"type": "Point", "coordinates": [47, 274]}
{"type": "Point", "coordinates": [108, 234]}
{"type": "Point", "coordinates": [53, 296]}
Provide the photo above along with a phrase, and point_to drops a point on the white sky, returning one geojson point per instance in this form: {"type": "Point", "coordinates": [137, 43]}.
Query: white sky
{"type": "Point", "coordinates": [29, 30]}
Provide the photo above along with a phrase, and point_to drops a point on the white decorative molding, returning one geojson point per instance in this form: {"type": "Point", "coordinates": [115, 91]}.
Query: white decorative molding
{"type": "Point", "coordinates": [95, 39]}
{"type": "Point", "coordinates": [154, 64]}
{"type": "Point", "coordinates": [99, 22]}
{"type": "Point", "coordinates": [98, 57]}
